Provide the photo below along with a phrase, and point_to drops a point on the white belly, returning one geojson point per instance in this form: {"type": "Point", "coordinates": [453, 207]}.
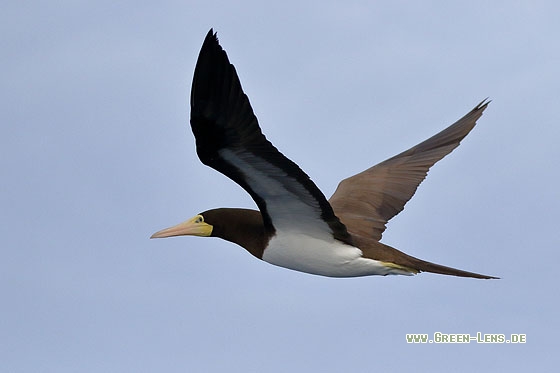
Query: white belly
{"type": "Point", "coordinates": [304, 253]}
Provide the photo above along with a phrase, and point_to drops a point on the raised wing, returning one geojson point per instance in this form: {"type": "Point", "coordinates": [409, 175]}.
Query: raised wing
{"type": "Point", "coordinates": [229, 139]}
{"type": "Point", "coordinates": [367, 201]}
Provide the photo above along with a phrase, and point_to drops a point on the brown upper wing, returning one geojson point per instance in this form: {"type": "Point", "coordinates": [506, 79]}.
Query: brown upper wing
{"type": "Point", "coordinates": [367, 201]}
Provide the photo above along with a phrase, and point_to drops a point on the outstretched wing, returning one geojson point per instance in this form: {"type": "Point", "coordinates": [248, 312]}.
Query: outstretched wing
{"type": "Point", "coordinates": [229, 139]}
{"type": "Point", "coordinates": [367, 201]}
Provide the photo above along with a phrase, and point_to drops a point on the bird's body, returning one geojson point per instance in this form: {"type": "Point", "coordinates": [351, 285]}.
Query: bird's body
{"type": "Point", "coordinates": [296, 227]}
{"type": "Point", "coordinates": [331, 258]}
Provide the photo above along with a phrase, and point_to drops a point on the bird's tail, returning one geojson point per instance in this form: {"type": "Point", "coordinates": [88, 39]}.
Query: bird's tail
{"type": "Point", "coordinates": [398, 262]}
{"type": "Point", "coordinates": [424, 266]}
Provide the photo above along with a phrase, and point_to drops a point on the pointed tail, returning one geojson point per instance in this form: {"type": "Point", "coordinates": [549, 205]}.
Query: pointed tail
{"type": "Point", "coordinates": [424, 266]}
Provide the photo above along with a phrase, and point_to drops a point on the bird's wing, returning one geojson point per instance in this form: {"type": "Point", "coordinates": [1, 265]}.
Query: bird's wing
{"type": "Point", "coordinates": [367, 201]}
{"type": "Point", "coordinates": [229, 139]}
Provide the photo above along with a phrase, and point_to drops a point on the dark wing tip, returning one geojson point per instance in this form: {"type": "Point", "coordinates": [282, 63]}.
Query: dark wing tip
{"type": "Point", "coordinates": [482, 105]}
{"type": "Point", "coordinates": [211, 37]}
{"type": "Point", "coordinates": [452, 135]}
{"type": "Point", "coordinates": [220, 111]}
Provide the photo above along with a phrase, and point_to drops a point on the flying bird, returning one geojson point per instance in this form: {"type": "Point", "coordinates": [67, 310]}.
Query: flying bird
{"type": "Point", "coordinates": [296, 227]}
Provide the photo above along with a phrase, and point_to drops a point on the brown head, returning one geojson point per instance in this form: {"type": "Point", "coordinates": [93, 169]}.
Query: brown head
{"type": "Point", "coordinates": [241, 226]}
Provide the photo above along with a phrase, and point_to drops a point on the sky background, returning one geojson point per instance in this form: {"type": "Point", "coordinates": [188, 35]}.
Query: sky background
{"type": "Point", "coordinates": [97, 154]}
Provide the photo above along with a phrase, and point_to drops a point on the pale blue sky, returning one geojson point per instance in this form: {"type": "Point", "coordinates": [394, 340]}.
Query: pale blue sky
{"type": "Point", "coordinates": [97, 154]}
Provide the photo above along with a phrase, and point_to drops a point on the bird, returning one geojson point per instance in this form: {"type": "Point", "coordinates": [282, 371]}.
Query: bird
{"type": "Point", "coordinates": [295, 226]}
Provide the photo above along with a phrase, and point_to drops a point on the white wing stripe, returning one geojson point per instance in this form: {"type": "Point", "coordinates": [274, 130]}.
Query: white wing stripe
{"type": "Point", "coordinates": [289, 205]}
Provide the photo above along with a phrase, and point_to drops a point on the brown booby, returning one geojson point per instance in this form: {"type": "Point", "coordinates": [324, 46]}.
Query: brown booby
{"type": "Point", "coordinates": [296, 227]}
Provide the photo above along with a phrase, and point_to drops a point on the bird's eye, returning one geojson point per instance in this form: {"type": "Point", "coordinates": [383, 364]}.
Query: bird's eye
{"type": "Point", "coordinates": [199, 219]}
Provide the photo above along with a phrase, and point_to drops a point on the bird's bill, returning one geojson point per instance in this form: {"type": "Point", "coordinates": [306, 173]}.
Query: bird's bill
{"type": "Point", "coordinates": [191, 227]}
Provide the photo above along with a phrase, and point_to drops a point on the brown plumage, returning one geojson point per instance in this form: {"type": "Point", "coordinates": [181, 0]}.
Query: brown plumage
{"type": "Point", "coordinates": [367, 201]}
